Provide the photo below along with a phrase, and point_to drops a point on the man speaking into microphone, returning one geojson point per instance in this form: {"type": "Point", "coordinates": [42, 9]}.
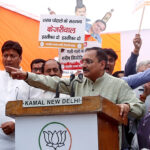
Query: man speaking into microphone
{"type": "Point", "coordinates": [95, 82]}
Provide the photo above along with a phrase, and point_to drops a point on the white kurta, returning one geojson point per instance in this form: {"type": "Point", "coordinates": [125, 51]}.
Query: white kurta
{"type": "Point", "coordinates": [10, 90]}
{"type": "Point", "coordinates": [36, 93]}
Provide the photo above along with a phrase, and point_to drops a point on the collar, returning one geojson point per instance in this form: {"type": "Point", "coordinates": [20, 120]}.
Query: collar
{"type": "Point", "coordinates": [98, 79]}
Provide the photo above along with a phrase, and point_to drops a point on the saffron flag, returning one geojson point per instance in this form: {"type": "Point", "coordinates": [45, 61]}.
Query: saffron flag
{"type": "Point", "coordinates": [141, 3]}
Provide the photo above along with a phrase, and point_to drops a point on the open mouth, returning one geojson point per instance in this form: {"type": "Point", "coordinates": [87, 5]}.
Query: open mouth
{"type": "Point", "coordinates": [85, 70]}
{"type": "Point", "coordinates": [107, 68]}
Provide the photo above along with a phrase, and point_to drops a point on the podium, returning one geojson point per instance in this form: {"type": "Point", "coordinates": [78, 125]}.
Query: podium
{"type": "Point", "coordinates": [93, 125]}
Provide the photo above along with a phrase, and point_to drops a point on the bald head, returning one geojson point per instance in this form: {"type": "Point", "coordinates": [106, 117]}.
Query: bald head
{"type": "Point", "coordinates": [52, 68]}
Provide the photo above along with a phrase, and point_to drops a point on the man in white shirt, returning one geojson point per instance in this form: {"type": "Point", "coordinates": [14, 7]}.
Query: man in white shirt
{"type": "Point", "coordinates": [10, 90]}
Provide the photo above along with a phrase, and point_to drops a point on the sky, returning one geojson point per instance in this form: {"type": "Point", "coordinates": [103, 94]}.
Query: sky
{"type": "Point", "coordinates": [123, 18]}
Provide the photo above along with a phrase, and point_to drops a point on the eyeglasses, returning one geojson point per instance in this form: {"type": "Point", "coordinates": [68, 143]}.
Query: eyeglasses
{"type": "Point", "coordinates": [87, 61]}
{"type": "Point", "coordinates": [100, 28]}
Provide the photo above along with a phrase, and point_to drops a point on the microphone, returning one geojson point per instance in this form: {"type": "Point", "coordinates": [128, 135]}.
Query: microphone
{"type": "Point", "coordinates": [72, 76]}
{"type": "Point", "coordinates": [80, 76]}
{"type": "Point", "coordinates": [17, 92]}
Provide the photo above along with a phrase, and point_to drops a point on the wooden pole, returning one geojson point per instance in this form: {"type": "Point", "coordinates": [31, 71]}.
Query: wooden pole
{"type": "Point", "coordinates": [141, 20]}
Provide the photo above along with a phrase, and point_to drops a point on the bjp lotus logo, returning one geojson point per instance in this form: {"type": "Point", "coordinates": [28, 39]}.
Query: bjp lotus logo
{"type": "Point", "coordinates": [55, 136]}
{"type": "Point", "coordinates": [55, 139]}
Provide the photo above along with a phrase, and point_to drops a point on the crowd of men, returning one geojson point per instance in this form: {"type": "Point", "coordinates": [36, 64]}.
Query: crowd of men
{"type": "Point", "coordinates": [128, 88]}
{"type": "Point", "coordinates": [98, 65]}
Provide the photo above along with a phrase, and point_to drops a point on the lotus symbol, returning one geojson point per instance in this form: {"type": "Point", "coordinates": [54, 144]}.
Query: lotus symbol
{"type": "Point", "coordinates": [55, 139]}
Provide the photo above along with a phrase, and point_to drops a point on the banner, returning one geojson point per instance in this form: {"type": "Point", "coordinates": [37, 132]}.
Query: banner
{"type": "Point", "coordinates": [62, 31]}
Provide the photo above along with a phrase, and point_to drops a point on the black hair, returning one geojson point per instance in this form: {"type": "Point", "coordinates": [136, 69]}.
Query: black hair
{"type": "Point", "coordinates": [115, 74]}
{"type": "Point", "coordinates": [12, 45]}
{"type": "Point", "coordinates": [101, 22]}
{"type": "Point", "coordinates": [111, 52]}
{"type": "Point", "coordinates": [79, 7]}
{"type": "Point", "coordinates": [100, 54]}
{"type": "Point", "coordinates": [36, 61]}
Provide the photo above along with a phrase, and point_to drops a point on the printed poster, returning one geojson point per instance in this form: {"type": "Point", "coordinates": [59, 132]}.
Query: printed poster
{"type": "Point", "coordinates": [62, 31]}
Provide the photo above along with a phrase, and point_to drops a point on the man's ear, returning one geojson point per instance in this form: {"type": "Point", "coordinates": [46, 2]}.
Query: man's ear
{"type": "Point", "coordinates": [20, 59]}
{"type": "Point", "coordinates": [103, 64]}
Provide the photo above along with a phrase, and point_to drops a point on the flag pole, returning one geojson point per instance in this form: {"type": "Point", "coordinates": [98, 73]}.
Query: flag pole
{"type": "Point", "coordinates": [141, 20]}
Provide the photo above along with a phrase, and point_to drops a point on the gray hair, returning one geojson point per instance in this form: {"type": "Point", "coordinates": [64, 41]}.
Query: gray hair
{"type": "Point", "coordinates": [142, 63]}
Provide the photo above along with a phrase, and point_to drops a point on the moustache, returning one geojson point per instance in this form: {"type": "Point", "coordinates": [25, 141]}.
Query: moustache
{"type": "Point", "coordinates": [85, 69]}
{"type": "Point", "coordinates": [52, 75]}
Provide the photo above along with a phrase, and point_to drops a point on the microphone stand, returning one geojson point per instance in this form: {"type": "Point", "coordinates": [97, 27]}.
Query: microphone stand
{"type": "Point", "coordinates": [72, 76]}
{"type": "Point", "coordinates": [57, 88]}
{"type": "Point", "coordinates": [80, 76]}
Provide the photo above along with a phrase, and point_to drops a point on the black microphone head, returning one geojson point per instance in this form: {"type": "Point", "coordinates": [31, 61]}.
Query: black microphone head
{"type": "Point", "coordinates": [72, 76]}
{"type": "Point", "coordinates": [80, 76]}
